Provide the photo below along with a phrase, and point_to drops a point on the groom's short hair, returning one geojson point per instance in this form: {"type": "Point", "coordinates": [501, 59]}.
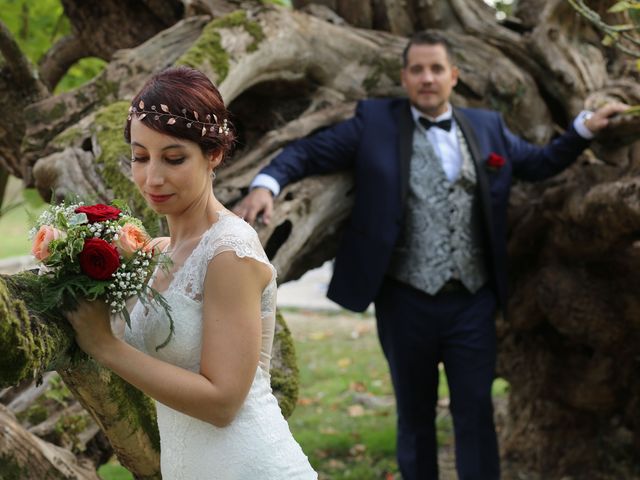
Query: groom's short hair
{"type": "Point", "coordinates": [428, 37]}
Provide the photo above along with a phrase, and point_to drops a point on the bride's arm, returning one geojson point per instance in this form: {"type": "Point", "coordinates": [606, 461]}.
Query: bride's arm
{"type": "Point", "coordinates": [230, 345]}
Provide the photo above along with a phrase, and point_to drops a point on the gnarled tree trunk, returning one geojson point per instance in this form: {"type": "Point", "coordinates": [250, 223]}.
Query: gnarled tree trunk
{"type": "Point", "coordinates": [568, 347]}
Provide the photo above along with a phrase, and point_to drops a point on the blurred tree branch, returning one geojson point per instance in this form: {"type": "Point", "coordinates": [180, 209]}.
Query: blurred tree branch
{"type": "Point", "coordinates": [624, 37]}
{"type": "Point", "coordinates": [19, 66]}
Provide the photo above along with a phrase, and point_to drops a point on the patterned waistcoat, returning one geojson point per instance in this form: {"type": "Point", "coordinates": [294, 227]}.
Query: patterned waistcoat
{"type": "Point", "coordinates": [441, 234]}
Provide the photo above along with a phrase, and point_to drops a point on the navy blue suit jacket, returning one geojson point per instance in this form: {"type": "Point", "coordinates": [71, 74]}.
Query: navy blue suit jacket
{"type": "Point", "coordinates": [376, 145]}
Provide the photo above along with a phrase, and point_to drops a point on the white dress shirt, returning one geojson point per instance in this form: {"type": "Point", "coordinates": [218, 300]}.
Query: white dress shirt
{"type": "Point", "coordinates": [445, 143]}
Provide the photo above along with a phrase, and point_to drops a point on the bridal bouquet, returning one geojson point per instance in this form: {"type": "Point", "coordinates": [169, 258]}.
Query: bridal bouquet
{"type": "Point", "coordinates": [94, 252]}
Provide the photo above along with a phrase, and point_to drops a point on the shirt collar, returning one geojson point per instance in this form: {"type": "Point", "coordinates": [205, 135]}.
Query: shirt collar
{"type": "Point", "coordinates": [416, 114]}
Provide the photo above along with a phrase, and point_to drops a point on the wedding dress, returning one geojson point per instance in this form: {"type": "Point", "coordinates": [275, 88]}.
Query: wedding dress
{"type": "Point", "coordinates": [258, 443]}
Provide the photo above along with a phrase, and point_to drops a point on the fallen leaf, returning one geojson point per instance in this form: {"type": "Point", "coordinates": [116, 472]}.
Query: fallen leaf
{"type": "Point", "coordinates": [355, 410]}
{"type": "Point", "coordinates": [357, 387]}
{"type": "Point", "coordinates": [344, 362]}
{"type": "Point", "coordinates": [320, 335]}
{"type": "Point", "coordinates": [357, 449]}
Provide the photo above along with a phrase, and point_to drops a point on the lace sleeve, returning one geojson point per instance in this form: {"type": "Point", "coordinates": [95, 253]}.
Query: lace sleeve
{"type": "Point", "coordinates": [230, 233]}
{"type": "Point", "coordinates": [240, 238]}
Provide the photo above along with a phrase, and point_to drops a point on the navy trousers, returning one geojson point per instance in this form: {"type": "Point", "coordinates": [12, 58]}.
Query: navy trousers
{"type": "Point", "coordinates": [417, 331]}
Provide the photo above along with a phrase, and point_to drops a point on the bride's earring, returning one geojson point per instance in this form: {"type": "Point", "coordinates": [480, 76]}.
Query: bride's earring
{"type": "Point", "coordinates": [213, 175]}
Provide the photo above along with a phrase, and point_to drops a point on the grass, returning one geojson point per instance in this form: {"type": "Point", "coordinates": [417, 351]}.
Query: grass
{"type": "Point", "coordinates": [22, 206]}
{"type": "Point", "coordinates": [113, 471]}
{"type": "Point", "coordinates": [345, 420]}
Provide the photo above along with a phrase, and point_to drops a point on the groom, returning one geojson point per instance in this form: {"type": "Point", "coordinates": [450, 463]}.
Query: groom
{"type": "Point", "coordinates": [426, 241]}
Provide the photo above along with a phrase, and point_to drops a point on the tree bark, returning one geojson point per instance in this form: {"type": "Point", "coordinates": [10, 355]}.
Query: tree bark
{"type": "Point", "coordinates": [567, 347]}
{"type": "Point", "coordinates": [24, 455]}
{"type": "Point", "coordinates": [51, 116]}
{"type": "Point", "coordinates": [125, 415]}
{"type": "Point", "coordinates": [4, 180]}
{"type": "Point", "coordinates": [105, 27]}
{"type": "Point", "coordinates": [30, 344]}
{"type": "Point", "coordinates": [401, 17]}
{"type": "Point", "coordinates": [60, 57]}
{"type": "Point", "coordinates": [18, 88]}
{"type": "Point", "coordinates": [34, 345]}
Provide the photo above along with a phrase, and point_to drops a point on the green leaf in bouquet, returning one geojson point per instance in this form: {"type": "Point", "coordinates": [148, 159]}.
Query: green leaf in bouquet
{"type": "Point", "coordinates": [55, 258]}
{"type": "Point", "coordinates": [78, 219]}
{"type": "Point", "coordinates": [57, 250]}
{"type": "Point", "coordinates": [159, 299]}
{"type": "Point", "coordinates": [61, 221]}
{"type": "Point", "coordinates": [121, 204]}
{"type": "Point", "coordinates": [75, 247]}
{"type": "Point", "coordinates": [97, 289]}
{"type": "Point", "coordinates": [127, 317]}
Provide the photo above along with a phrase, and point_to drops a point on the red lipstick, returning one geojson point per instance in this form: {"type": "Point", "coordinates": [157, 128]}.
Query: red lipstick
{"type": "Point", "coordinates": [159, 198]}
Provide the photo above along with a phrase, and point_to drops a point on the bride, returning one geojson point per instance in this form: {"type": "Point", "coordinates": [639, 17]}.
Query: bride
{"type": "Point", "coordinates": [217, 416]}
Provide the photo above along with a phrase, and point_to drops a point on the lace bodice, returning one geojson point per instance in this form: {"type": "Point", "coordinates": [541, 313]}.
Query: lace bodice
{"type": "Point", "coordinates": [184, 294]}
{"type": "Point", "coordinates": [258, 442]}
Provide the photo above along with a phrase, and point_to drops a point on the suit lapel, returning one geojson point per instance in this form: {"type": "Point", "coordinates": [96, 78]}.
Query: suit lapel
{"type": "Point", "coordinates": [405, 146]}
{"type": "Point", "coordinates": [481, 174]}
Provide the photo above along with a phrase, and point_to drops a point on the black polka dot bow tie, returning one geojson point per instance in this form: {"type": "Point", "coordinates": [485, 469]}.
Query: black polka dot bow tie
{"type": "Point", "coordinates": [443, 124]}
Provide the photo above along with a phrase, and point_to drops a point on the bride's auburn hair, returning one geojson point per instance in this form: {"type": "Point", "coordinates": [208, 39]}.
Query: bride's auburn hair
{"type": "Point", "coordinates": [183, 103]}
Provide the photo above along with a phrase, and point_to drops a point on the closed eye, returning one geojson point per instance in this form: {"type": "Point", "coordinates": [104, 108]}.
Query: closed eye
{"type": "Point", "coordinates": [171, 161]}
{"type": "Point", "coordinates": [175, 161]}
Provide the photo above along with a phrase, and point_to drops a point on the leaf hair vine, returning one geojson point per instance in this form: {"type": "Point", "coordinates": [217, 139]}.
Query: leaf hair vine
{"type": "Point", "coordinates": [207, 125]}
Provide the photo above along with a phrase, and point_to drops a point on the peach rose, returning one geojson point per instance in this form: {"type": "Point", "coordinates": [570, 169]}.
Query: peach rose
{"type": "Point", "coordinates": [46, 234]}
{"type": "Point", "coordinates": [131, 239]}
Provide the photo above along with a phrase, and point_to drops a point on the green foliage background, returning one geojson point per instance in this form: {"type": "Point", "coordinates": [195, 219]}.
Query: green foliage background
{"type": "Point", "coordinates": [36, 26]}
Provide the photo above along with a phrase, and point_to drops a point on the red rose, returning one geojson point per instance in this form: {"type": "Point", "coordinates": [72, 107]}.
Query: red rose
{"type": "Point", "coordinates": [99, 259]}
{"type": "Point", "coordinates": [99, 212]}
{"type": "Point", "coordinates": [495, 161]}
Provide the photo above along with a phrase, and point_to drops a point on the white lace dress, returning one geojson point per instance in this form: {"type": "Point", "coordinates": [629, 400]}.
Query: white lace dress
{"type": "Point", "coordinates": [258, 443]}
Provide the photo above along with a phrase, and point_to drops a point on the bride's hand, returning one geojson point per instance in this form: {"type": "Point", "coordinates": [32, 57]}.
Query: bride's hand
{"type": "Point", "coordinates": [92, 324]}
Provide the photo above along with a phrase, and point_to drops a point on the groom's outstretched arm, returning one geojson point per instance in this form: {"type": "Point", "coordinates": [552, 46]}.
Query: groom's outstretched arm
{"type": "Point", "coordinates": [327, 151]}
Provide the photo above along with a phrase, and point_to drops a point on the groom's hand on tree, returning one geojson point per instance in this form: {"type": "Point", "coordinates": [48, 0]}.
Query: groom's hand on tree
{"type": "Point", "coordinates": [601, 118]}
{"type": "Point", "coordinates": [258, 201]}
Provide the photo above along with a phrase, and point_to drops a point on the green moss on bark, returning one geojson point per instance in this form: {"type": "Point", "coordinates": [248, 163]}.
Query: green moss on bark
{"type": "Point", "coordinates": [58, 111]}
{"type": "Point", "coordinates": [66, 138]}
{"type": "Point", "coordinates": [125, 403]}
{"type": "Point", "coordinates": [136, 408]}
{"type": "Point", "coordinates": [11, 470]}
{"type": "Point", "coordinates": [106, 89]}
{"type": "Point", "coordinates": [284, 380]}
{"type": "Point", "coordinates": [208, 51]}
{"type": "Point", "coordinates": [30, 345]}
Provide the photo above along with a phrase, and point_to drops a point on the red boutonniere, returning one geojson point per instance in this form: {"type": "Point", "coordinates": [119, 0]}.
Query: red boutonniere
{"type": "Point", "coordinates": [495, 161]}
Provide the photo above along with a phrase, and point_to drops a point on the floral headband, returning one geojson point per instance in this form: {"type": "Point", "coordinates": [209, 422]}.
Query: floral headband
{"type": "Point", "coordinates": [207, 125]}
